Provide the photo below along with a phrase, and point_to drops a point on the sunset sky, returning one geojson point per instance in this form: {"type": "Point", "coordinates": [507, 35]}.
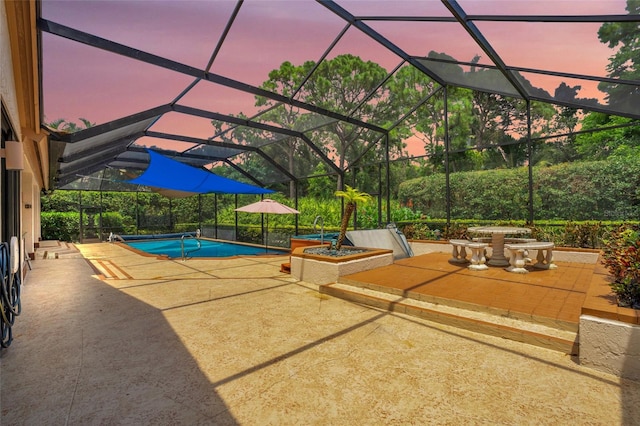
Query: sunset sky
{"type": "Point", "coordinates": [82, 81]}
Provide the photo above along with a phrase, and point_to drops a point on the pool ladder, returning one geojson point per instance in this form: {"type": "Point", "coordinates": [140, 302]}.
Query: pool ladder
{"type": "Point", "coordinates": [196, 237]}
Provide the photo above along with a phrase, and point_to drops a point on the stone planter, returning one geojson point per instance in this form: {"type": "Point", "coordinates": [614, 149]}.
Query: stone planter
{"type": "Point", "coordinates": [294, 244]}
{"type": "Point", "coordinates": [320, 269]}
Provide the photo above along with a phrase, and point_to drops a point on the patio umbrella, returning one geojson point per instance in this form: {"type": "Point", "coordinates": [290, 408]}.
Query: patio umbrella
{"type": "Point", "coordinates": [267, 206]}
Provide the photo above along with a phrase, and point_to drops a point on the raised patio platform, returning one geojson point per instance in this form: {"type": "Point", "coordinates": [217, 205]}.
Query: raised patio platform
{"type": "Point", "coordinates": [541, 308]}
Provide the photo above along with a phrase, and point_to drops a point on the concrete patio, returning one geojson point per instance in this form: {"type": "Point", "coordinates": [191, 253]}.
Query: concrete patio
{"type": "Point", "coordinates": [107, 336]}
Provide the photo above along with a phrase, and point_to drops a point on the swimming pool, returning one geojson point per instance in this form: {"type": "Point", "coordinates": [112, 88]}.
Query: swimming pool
{"type": "Point", "coordinates": [208, 248]}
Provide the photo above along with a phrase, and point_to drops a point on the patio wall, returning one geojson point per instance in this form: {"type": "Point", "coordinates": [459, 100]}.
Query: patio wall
{"type": "Point", "coordinates": [609, 335]}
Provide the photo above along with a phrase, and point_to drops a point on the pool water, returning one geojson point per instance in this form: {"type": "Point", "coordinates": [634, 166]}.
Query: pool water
{"type": "Point", "coordinates": [208, 248]}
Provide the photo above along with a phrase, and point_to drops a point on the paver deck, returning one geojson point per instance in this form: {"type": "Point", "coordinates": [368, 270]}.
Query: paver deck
{"type": "Point", "coordinates": [111, 337]}
{"type": "Point", "coordinates": [555, 294]}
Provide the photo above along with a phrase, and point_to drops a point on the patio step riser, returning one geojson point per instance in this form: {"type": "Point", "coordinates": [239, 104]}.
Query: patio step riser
{"type": "Point", "coordinates": [554, 323]}
{"type": "Point", "coordinates": [525, 336]}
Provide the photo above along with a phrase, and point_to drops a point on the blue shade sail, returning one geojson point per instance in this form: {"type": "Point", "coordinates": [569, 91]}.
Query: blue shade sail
{"type": "Point", "coordinates": [166, 173]}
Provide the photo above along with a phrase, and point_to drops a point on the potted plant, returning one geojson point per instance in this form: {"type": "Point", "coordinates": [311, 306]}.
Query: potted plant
{"type": "Point", "coordinates": [621, 256]}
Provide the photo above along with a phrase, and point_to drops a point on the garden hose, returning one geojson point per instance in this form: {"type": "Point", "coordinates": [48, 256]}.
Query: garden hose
{"type": "Point", "coordinates": [10, 305]}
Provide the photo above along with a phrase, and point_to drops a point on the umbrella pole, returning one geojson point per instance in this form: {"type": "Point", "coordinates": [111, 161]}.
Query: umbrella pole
{"type": "Point", "coordinates": [266, 238]}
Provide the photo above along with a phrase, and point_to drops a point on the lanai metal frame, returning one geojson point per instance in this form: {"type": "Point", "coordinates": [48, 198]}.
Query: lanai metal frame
{"type": "Point", "coordinates": [112, 144]}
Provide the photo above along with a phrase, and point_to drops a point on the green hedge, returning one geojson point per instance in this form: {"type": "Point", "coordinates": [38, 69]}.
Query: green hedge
{"type": "Point", "coordinates": [603, 190]}
{"type": "Point", "coordinates": [63, 226]}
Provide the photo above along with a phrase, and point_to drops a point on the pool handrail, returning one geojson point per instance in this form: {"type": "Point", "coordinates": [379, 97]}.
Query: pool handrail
{"type": "Point", "coordinates": [321, 228]}
{"type": "Point", "coordinates": [195, 237]}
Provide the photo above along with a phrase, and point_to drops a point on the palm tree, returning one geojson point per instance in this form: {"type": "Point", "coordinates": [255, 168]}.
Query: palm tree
{"type": "Point", "coordinates": [63, 125]}
{"type": "Point", "coordinates": [57, 124]}
{"type": "Point", "coordinates": [352, 197]}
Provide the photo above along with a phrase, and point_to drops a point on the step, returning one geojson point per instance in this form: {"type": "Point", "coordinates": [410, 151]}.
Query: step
{"type": "Point", "coordinates": [516, 329]}
{"type": "Point", "coordinates": [285, 268]}
{"type": "Point", "coordinates": [56, 250]}
{"type": "Point", "coordinates": [553, 323]}
{"type": "Point", "coordinates": [49, 255]}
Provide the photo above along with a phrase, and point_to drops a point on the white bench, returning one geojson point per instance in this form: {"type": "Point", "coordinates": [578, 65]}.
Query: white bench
{"type": "Point", "coordinates": [459, 253]}
{"type": "Point", "coordinates": [517, 259]}
{"type": "Point", "coordinates": [478, 258]}
{"type": "Point", "coordinates": [519, 241]}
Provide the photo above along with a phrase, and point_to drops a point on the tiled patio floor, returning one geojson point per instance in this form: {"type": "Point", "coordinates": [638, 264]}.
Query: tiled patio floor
{"type": "Point", "coordinates": [555, 295]}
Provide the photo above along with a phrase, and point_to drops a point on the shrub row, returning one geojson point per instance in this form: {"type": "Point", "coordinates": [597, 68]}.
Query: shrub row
{"type": "Point", "coordinates": [64, 226]}
{"type": "Point", "coordinates": [579, 234]}
{"type": "Point", "coordinates": [603, 190]}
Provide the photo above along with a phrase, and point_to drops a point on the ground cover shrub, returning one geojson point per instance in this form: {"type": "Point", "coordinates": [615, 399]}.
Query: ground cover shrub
{"type": "Point", "coordinates": [455, 231]}
{"type": "Point", "coordinates": [621, 256]}
{"type": "Point", "coordinates": [554, 232]}
{"type": "Point", "coordinates": [420, 231]}
{"type": "Point", "coordinates": [585, 235]}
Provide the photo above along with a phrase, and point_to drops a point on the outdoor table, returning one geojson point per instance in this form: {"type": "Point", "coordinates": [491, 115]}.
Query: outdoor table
{"type": "Point", "coordinates": [497, 240]}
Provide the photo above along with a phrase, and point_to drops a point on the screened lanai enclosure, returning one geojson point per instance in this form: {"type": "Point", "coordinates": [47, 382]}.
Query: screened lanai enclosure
{"type": "Point", "coordinates": [304, 97]}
